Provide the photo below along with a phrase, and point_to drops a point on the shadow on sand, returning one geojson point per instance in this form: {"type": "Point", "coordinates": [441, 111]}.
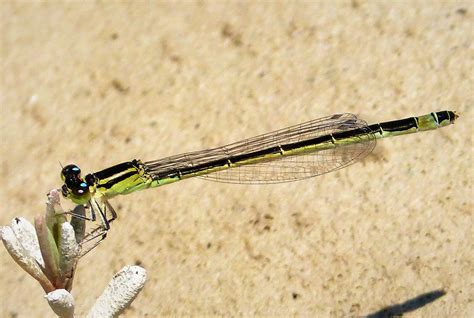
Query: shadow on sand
{"type": "Point", "coordinates": [409, 305]}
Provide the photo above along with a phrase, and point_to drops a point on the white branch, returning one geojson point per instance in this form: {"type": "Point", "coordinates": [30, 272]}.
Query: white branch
{"type": "Point", "coordinates": [23, 257]}
{"type": "Point", "coordinates": [69, 250]}
{"type": "Point", "coordinates": [61, 302]}
{"type": "Point", "coordinates": [26, 234]}
{"type": "Point", "coordinates": [120, 292]}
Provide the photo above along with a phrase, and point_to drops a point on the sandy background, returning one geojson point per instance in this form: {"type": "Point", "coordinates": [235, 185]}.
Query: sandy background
{"type": "Point", "coordinates": [97, 84]}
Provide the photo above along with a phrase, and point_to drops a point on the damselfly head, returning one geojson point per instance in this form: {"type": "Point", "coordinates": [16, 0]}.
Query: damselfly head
{"type": "Point", "coordinates": [74, 187]}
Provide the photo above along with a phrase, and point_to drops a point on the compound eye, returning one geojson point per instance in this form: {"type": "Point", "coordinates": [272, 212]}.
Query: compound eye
{"type": "Point", "coordinates": [65, 191]}
{"type": "Point", "coordinates": [70, 170]}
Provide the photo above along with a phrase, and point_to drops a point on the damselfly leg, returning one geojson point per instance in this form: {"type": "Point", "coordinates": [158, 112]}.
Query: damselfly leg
{"type": "Point", "coordinates": [106, 213]}
{"type": "Point", "coordinates": [103, 208]}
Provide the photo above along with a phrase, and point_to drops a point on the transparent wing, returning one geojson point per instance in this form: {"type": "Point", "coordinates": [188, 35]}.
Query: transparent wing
{"type": "Point", "coordinates": [281, 169]}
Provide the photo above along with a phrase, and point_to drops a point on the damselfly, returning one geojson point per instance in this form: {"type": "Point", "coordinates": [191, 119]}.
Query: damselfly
{"type": "Point", "coordinates": [297, 152]}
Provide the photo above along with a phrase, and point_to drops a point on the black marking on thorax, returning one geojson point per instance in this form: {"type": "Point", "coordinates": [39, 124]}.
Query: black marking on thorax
{"type": "Point", "coordinates": [109, 172]}
{"type": "Point", "coordinates": [109, 184]}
